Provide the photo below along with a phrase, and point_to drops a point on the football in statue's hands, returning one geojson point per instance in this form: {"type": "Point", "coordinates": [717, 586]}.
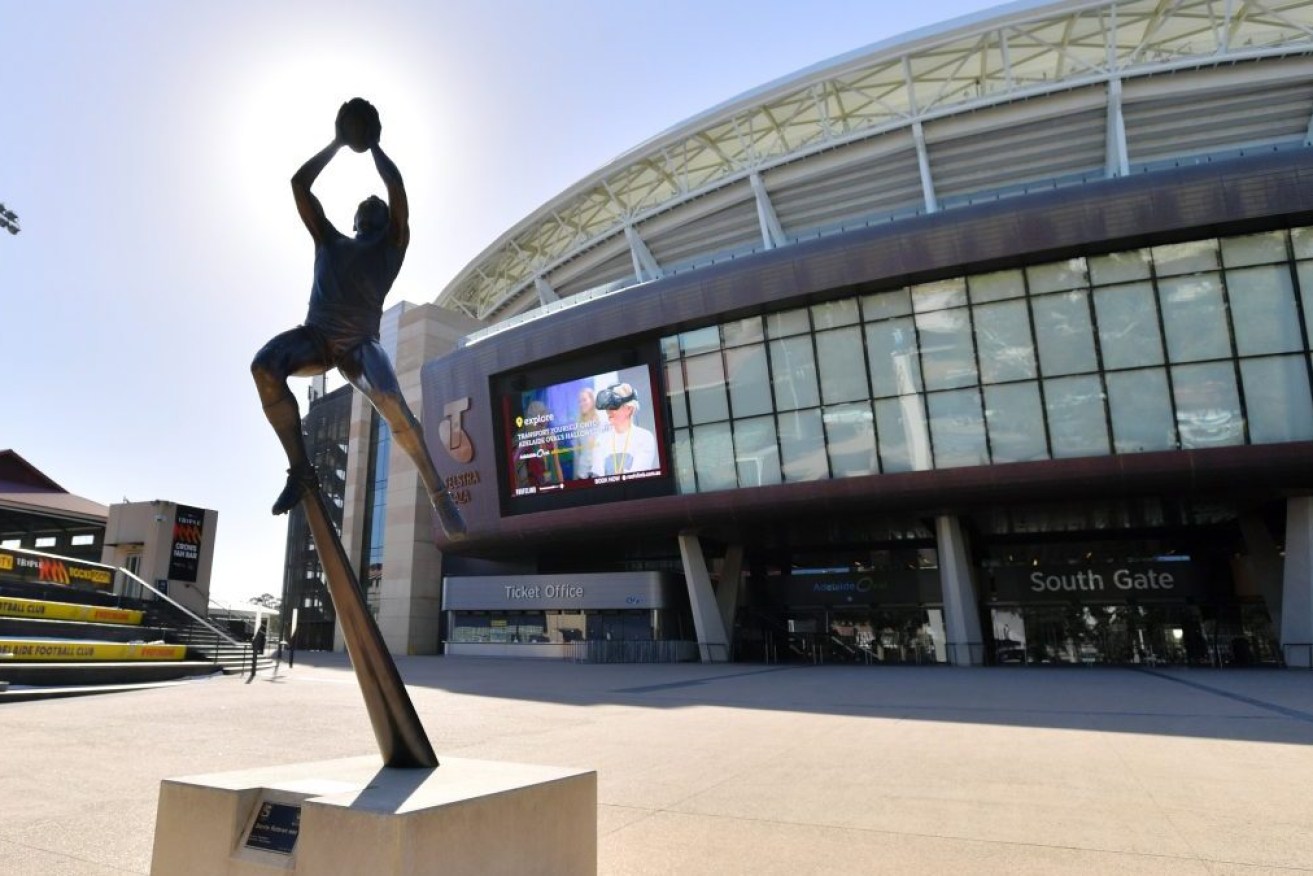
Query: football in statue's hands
{"type": "Point", "coordinates": [358, 125]}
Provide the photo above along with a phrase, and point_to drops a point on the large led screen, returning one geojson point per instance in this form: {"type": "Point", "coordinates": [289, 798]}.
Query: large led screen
{"type": "Point", "coordinates": [583, 433]}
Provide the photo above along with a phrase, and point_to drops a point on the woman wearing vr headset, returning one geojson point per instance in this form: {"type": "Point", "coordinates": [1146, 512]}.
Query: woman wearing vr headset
{"type": "Point", "coordinates": [623, 446]}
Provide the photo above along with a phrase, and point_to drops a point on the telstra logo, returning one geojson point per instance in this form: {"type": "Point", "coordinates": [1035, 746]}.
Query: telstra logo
{"type": "Point", "coordinates": [455, 440]}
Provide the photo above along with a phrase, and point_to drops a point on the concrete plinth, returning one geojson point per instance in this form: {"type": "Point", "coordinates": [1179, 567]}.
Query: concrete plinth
{"type": "Point", "coordinates": [356, 816]}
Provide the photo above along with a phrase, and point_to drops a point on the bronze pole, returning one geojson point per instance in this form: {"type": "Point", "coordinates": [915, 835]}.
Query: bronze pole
{"type": "Point", "coordinates": [401, 737]}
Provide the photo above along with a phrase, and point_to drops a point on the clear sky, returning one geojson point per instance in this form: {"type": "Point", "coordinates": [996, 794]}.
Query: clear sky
{"type": "Point", "coordinates": [146, 146]}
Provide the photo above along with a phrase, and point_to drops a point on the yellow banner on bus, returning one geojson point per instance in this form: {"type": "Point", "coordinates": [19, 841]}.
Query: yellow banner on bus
{"type": "Point", "coordinates": [39, 608]}
{"type": "Point", "coordinates": [31, 650]}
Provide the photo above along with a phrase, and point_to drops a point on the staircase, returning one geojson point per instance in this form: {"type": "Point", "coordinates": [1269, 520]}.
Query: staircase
{"type": "Point", "coordinates": [61, 640]}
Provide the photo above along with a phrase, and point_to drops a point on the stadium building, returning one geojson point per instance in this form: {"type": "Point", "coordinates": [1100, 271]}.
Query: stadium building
{"type": "Point", "coordinates": [986, 344]}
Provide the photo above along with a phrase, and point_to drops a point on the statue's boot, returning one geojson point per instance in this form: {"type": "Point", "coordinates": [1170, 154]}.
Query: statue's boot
{"type": "Point", "coordinates": [300, 481]}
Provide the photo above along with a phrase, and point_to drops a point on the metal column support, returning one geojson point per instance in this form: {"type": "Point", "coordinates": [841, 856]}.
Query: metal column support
{"type": "Point", "coordinates": [546, 294]}
{"type": "Point", "coordinates": [1117, 161]}
{"type": "Point", "coordinates": [772, 233]}
{"type": "Point", "coordinates": [645, 266]}
{"type": "Point", "coordinates": [923, 161]}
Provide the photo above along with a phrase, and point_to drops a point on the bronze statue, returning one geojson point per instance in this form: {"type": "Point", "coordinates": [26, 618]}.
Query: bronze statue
{"type": "Point", "coordinates": [352, 277]}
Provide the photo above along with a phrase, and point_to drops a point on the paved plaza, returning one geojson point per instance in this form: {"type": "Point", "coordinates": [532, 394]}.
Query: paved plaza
{"type": "Point", "coordinates": [737, 768]}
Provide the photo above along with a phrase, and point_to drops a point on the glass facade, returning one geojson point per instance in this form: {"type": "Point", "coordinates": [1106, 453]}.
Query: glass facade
{"type": "Point", "coordinates": [327, 427]}
{"type": "Point", "coordinates": [1191, 345]}
{"type": "Point", "coordinates": [376, 503]}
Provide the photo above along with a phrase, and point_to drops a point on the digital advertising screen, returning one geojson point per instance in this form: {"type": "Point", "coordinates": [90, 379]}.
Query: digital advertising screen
{"type": "Point", "coordinates": [577, 435]}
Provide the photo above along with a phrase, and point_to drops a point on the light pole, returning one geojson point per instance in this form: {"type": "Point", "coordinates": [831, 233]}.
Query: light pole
{"type": "Point", "coordinates": [8, 220]}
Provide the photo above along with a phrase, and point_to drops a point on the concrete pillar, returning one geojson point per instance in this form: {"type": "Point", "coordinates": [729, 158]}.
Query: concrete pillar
{"type": "Point", "coordinates": [1297, 585]}
{"type": "Point", "coordinates": [727, 591]}
{"type": "Point", "coordinates": [1263, 563]}
{"type": "Point", "coordinates": [966, 646]}
{"type": "Point", "coordinates": [713, 644]}
{"type": "Point", "coordinates": [410, 604]}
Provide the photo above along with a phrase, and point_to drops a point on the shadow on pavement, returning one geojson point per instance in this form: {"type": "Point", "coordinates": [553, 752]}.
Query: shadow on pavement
{"type": "Point", "coordinates": [1247, 704]}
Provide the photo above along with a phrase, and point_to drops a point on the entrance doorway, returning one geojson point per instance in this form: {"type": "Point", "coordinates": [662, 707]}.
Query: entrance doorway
{"type": "Point", "coordinates": [1149, 634]}
{"type": "Point", "coordinates": [862, 635]}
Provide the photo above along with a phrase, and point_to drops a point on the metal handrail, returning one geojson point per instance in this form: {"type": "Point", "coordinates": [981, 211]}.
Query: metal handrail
{"type": "Point", "coordinates": [195, 617]}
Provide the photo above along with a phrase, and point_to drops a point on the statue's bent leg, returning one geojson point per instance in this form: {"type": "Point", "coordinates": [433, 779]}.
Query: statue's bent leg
{"type": "Point", "coordinates": [368, 369]}
{"type": "Point", "coordinates": [291, 352]}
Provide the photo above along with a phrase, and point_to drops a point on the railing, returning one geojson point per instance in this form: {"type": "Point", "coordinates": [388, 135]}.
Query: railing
{"type": "Point", "coordinates": [194, 618]}
{"type": "Point", "coordinates": [660, 651]}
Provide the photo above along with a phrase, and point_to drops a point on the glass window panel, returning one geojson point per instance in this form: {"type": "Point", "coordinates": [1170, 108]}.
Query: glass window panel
{"type": "Point", "coordinates": [850, 439]}
{"type": "Point", "coordinates": [1141, 409]}
{"type": "Point", "coordinates": [700, 340]}
{"type": "Point", "coordinates": [833, 314]}
{"type": "Point", "coordinates": [1207, 405]}
{"type": "Point", "coordinates": [802, 446]}
{"type": "Point", "coordinates": [1301, 241]}
{"type": "Point", "coordinates": [883, 305]}
{"type": "Point", "coordinates": [1003, 342]}
{"type": "Point", "coordinates": [685, 480]}
{"type": "Point", "coordinates": [678, 400]}
{"type": "Point", "coordinates": [958, 427]}
{"type": "Point", "coordinates": [1194, 318]}
{"type": "Point", "coordinates": [1074, 409]}
{"type": "Point", "coordinates": [790, 322]}
{"type": "Point", "coordinates": [1305, 271]}
{"type": "Point", "coordinates": [743, 331]}
{"type": "Point", "coordinates": [1185, 258]}
{"type": "Point", "coordinates": [1129, 335]}
{"type": "Point", "coordinates": [894, 364]}
{"type": "Point", "coordinates": [749, 380]}
{"type": "Point", "coordinates": [1119, 267]}
{"type": "Point", "coordinates": [793, 374]}
{"type": "Point", "coordinates": [757, 455]}
{"type": "Point", "coordinates": [948, 359]}
{"type": "Point", "coordinates": [713, 457]}
{"type": "Point", "coordinates": [997, 286]}
{"type": "Point", "coordinates": [1057, 276]}
{"type": "Point", "coordinates": [707, 401]}
{"type": "Point", "coordinates": [1016, 422]}
{"type": "Point", "coordinates": [903, 434]}
{"type": "Point", "coordinates": [1277, 399]}
{"type": "Point", "coordinates": [939, 295]}
{"type": "Point", "coordinates": [670, 347]}
{"type": "Point", "coordinates": [1254, 249]}
{"type": "Point", "coordinates": [1263, 310]}
{"type": "Point", "coordinates": [842, 365]}
{"type": "Point", "coordinates": [1063, 331]}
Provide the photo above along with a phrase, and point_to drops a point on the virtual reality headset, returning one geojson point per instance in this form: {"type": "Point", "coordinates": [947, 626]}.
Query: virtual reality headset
{"type": "Point", "coordinates": [614, 397]}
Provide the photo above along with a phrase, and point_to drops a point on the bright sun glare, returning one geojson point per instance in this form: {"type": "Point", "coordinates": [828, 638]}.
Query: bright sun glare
{"type": "Point", "coordinates": [288, 107]}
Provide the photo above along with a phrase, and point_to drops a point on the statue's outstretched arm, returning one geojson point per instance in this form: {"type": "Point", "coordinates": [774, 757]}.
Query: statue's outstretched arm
{"type": "Point", "coordinates": [312, 212]}
{"type": "Point", "coordinates": [398, 206]}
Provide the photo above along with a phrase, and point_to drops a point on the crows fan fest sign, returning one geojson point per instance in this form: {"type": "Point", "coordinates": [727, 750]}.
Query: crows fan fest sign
{"type": "Point", "coordinates": [185, 556]}
{"type": "Point", "coordinates": [54, 570]}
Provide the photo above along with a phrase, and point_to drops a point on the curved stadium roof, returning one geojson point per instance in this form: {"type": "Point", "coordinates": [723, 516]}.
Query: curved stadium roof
{"type": "Point", "coordinates": [1021, 97]}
